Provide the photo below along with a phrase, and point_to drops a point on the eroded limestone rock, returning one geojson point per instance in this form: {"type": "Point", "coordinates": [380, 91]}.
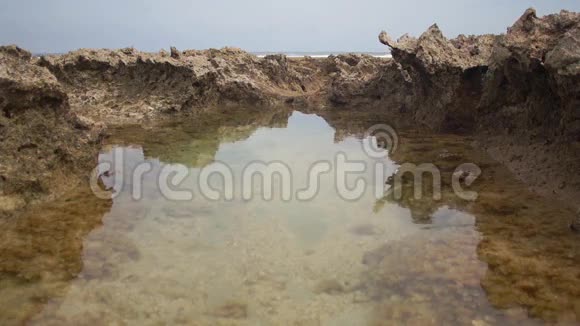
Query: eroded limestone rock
{"type": "Point", "coordinates": [44, 147]}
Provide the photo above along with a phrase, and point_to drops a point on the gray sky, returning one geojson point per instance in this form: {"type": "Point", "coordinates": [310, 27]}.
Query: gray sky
{"type": "Point", "coordinates": [254, 25]}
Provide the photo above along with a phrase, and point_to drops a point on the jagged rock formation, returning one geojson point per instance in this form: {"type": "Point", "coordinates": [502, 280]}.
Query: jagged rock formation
{"type": "Point", "coordinates": [130, 85]}
{"type": "Point", "coordinates": [351, 76]}
{"type": "Point", "coordinates": [534, 75]}
{"type": "Point", "coordinates": [534, 66]}
{"type": "Point", "coordinates": [444, 74]}
{"type": "Point", "coordinates": [44, 147]}
{"type": "Point", "coordinates": [520, 90]}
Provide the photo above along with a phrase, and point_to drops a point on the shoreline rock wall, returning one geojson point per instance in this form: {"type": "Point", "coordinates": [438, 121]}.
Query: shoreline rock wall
{"type": "Point", "coordinates": [132, 86]}
{"type": "Point", "coordinates": [535, 68]}
{"type": "Point", "coordinates": [443, 76]}
{"type": "Point", "coordinates": [531, 102]}
{"type": "Point", "coordinates": [528, 77]}
{"type": "Point", "coordinates": [519, 92]}
{"type": "Point", "coordinates": [45, 149]}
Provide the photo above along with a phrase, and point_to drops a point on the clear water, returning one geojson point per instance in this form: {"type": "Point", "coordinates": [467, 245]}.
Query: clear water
{"type": "Point", "coordinates": [324, 261]}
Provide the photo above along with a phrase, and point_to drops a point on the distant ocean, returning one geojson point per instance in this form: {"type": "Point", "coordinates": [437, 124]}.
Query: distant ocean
{"type": "Point", "coordinates": [321, 54]}
{"type": "Point", "coordinates": [293, 54]}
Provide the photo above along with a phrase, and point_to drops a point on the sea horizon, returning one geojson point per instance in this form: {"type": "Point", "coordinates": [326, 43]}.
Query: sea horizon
{"type": "Point", "coordinates": [290, 54]}
{"type": "Point", "coordinates": [319, 54]}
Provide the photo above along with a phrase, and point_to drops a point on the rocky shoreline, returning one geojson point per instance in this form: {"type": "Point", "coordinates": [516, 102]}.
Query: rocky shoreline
{"type": "Point", "coordinates": [517, 94]}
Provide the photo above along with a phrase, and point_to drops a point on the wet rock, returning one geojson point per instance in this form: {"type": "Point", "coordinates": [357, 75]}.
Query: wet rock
{"type": "Point", "coordinates": [45, 245]}
{"type": "Point", "coordinates": [39, 138]}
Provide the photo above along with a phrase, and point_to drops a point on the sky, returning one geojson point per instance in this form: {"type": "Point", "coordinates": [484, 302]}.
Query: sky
{"type": "Point", "coordinates": [56, 26]}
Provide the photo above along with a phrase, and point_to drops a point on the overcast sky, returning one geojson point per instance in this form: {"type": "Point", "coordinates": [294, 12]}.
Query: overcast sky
{"type": "Point", "coordinates": [254, 25]}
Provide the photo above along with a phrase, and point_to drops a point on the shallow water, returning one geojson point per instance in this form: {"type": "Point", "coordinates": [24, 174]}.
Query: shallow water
{"type": "Point", "coordinates": [321, 261]}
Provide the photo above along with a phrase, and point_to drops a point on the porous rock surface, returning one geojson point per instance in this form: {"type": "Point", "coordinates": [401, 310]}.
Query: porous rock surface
{"type": "Point", "coordinates": [130, 86]}
{"type": "Point", "coordinates": [443, 75]}
{"type": "Point", "coordinates": [43, 146]}
{"type": "Point", "coordinates": [520, 91]}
